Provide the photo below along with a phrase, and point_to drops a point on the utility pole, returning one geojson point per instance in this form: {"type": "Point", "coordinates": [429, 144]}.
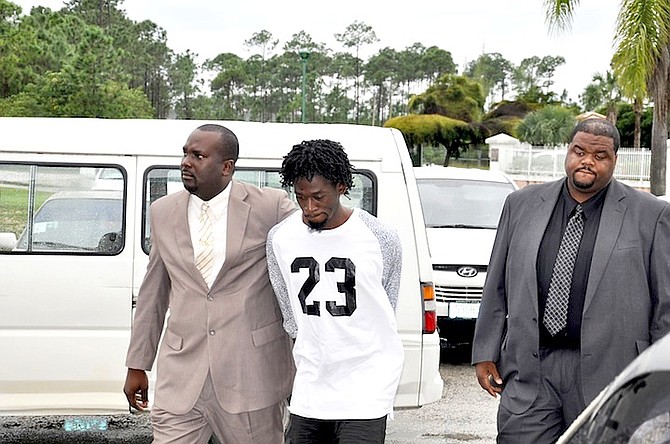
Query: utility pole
{"type": "Point", "coordinates": [304, 55]}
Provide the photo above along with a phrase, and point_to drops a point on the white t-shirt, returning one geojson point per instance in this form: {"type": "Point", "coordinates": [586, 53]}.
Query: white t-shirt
{"type": "Point", "coordinates": [337, 290]}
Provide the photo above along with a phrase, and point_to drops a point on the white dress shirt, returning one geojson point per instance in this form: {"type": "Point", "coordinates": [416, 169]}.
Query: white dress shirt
{"type": "Point", "coordinates": [218, 213]}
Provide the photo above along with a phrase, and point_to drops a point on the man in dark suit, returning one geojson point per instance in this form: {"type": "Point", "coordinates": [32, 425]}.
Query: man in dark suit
{"type": "Point", "coordinates": [224, 365]}
{"type": "Point", "coordinates": [578, 285]}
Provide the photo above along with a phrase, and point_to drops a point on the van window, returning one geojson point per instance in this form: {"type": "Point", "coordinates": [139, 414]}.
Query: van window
{"type": "Point", "coordinates": [62, 209]}
{"type": "Point", "coordinates": [163, 180]}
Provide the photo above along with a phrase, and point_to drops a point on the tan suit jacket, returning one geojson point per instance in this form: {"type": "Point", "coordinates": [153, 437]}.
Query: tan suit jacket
{"type": "Point", "coordinates": [233, 331]}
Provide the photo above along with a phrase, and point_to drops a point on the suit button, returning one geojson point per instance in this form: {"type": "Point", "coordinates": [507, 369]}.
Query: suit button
{"type": "Point", "coordinates": [534, 355]}
{"type": "Point", "coordinates": [212, 332]}
{"type": "Point", "coordinates": [209, 297]}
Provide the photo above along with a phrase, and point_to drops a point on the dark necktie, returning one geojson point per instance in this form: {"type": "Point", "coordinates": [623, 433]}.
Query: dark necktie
{"type": "Point", "coordinates": [556, 309]}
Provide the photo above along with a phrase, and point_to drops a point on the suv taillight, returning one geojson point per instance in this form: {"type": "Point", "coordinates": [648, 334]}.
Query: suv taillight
{"type": "Point", "coordinates": [429, 307]}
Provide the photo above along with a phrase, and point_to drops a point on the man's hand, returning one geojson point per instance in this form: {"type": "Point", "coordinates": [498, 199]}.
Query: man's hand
{"type": "Point", "coordinates": [489, 378]}
{"type": "Point", "coordinates": [136, 389]}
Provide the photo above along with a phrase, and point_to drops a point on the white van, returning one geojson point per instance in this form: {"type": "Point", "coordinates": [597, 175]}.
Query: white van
{"type": "Point", "coordinates": [461, 207]}
{"type": "Point", "coordinates": [74, 242]}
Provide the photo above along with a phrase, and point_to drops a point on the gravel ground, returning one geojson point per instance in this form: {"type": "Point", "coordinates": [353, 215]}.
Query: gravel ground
{"type": "Point", "coordinates": [465, 414]}
{"type": "Point", "coordinates": [113, 429]}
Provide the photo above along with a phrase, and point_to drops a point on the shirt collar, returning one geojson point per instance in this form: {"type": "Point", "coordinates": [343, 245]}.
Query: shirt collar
{"type": "Point", "coordinates": [217, 204]}
{"type": "Point", "coordinates": [593, 204]}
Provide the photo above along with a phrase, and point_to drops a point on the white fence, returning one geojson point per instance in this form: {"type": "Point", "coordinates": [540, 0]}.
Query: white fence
{"type": "Point", "coordinates": [533, 163]}
{"type": "Point", "coordinates": [525, 162]}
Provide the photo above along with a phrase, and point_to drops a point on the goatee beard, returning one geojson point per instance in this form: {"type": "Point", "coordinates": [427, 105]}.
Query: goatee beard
{"type": "Point", "coordinates": [582, 185]}
{"type": "Point", "coordinates": [316, 226]}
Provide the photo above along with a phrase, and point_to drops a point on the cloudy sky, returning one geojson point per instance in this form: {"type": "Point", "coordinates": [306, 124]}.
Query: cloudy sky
{"type": "Point", "coordinates": [514, 28]}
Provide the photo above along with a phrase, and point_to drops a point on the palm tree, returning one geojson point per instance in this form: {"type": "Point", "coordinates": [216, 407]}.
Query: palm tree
{"type": "Point", "coordinates": [641, 63]}
{"type": "Point", "coordinates": [550, 125]}
{"type": "Point", "coordinates": [603, 91]}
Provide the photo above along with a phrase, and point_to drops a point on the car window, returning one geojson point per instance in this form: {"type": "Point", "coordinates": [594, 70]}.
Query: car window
{"type": "Point", "coordinates": [637, 413]}
{"type": "Point", "coordinates": [458, 202]}
{"type": "Point", "coordinates": [360, 196]}
{"type": "Point", "coordinates": [160, 181]}
{"type": "Point", "coordinates": [75, 224]}
{"type": "Point", "coordinates": [70, 209]}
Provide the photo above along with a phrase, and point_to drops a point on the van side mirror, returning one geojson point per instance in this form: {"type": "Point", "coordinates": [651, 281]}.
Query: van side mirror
{"type": "Point", "coordinates": [7, 241]}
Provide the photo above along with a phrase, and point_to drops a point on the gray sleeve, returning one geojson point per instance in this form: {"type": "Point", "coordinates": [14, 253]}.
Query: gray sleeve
{"type": "Point", "coordinates": [391, 248]}
{"type": "Point", "coordinates": [279, 285]}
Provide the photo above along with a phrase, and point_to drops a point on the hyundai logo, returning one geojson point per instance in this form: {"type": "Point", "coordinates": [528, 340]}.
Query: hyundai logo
{"type": "Point", "coordinates": [467, 272]}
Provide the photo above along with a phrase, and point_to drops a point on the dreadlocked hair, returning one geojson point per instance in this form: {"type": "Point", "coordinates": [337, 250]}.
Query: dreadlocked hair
{"type": "Point", "coordinates": [320, 157]}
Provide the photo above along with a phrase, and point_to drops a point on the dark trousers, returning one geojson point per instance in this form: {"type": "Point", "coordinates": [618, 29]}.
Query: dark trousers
{"type": "Point", "coordinates": [559, 402]}
{"type": "Point", "coordinates": [347, 431]}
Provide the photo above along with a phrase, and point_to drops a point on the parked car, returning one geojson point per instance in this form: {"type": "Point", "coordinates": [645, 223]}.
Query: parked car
{"type": "Point", "coordinates": [634, 408]}
{"type": "Point", "coordinates": [461, 208]}
{"type": "Point", "coordinates": [76, 221]}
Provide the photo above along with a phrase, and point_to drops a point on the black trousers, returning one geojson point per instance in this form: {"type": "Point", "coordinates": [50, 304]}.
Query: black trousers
{"type": "Point", "coordinates": [346, 431]}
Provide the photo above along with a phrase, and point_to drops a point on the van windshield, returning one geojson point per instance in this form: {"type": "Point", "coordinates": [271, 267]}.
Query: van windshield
{"type": "Point", "coordinates": [460, 203]}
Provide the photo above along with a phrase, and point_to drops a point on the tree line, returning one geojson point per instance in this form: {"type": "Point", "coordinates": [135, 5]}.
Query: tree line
{"type": "Point", "coordinates": [89, 59]}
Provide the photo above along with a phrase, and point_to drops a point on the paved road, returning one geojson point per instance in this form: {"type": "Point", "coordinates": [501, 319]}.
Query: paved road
{"type": "Point", "coordinates": [465, 414]}
{"type": "Point", "coordinates": [116, 429]}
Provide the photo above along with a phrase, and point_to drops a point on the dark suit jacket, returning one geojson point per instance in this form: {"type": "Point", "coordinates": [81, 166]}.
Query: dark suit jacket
{"type": "Point", "coordinates": [233, 331]}
{"type": "Point", "coordinates": [627, 301]}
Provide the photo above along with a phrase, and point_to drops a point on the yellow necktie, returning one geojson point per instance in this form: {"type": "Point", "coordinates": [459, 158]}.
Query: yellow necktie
{"type": "Point", "coordinates": [205, 258]}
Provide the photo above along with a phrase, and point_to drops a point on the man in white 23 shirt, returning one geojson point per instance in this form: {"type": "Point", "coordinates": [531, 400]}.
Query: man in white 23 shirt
{"type": "Point", "coordinates": [336, 274]}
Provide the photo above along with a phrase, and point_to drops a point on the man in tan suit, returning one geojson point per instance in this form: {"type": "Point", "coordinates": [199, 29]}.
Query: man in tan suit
{"type": "Point", "coordinates": [224, 365]}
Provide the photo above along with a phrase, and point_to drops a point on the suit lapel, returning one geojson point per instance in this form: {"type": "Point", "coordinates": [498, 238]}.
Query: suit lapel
{"type": "Point", "coordinates": [537, 222]}
{"type": "Point", "coordinates": [611, 220]}
{"type": "Point", "coordinates": [182, 232]}
{"type": "Point", "coordinates": [238, 215]}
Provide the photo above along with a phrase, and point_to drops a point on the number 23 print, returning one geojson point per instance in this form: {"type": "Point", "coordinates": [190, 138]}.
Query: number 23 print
{"type": "Point", "coordinates": [348, 287]}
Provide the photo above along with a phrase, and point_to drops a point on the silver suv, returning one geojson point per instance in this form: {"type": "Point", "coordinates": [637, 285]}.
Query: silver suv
{"type": "Point", "coordinates": [461, 208]}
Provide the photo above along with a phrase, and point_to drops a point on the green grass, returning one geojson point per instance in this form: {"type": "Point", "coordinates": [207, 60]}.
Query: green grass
{"type": "Point", "coordinates": [14, 208]}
